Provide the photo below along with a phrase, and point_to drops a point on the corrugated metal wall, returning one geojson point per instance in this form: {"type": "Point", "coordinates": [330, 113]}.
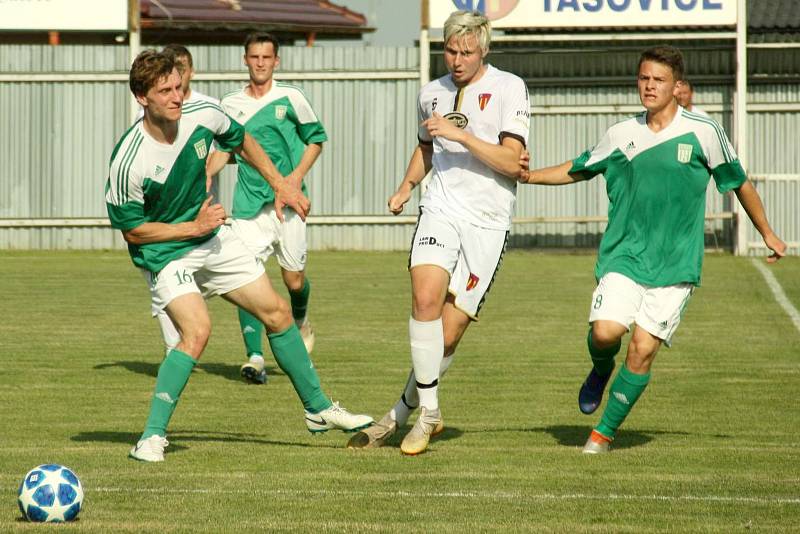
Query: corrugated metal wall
{"type": "Point", "coordinates": [57, 138]}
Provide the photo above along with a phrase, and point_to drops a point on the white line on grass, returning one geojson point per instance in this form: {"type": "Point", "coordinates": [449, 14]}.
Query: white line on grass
{"type": "Point", "coordinates": [777, 291]}
{"type": "Point", "coordinates": [502, 495]}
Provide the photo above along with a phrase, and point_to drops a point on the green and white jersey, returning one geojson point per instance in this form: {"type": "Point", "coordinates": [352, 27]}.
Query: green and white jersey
{"type": "Point", "coordinates": [150, 181]}
{"type": "Point", "coordinates": [656, 185]}
{"type": "Point", "coordinates": [283, 123]}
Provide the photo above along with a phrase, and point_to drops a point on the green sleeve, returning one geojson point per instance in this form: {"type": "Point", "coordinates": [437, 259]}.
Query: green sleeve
{"type": "Point", "coordinates": [728, 176]}
{"type": "Point", "coordinates": [126, 216]}
{"type": "Point", "coordinates": [587, 172]}
{"type": "Point", "coordinates": [232, 138]}
{"type": "Point", "coordinates": [312, 132]}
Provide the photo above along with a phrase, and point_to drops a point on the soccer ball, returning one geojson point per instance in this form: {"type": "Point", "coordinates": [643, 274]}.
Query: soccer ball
{"type": "Point", "coordinates": [50, 493]}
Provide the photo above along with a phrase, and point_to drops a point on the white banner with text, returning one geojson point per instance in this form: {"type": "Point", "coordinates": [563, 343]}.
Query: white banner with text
{"type": "Point", "coordinates": [67, 15]}
{"type": "Point", "coordinates": [590, 13]}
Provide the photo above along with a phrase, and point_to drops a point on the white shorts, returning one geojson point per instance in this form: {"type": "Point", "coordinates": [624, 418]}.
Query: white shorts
{"type": "Point", "coordinates": [265, 234]}
{"type": "Point", "coordinates": [216, 267]}
{"type": "Point", "coordinates": [470, 254]}
{"type": "Point", "coordinates": [656, 309]}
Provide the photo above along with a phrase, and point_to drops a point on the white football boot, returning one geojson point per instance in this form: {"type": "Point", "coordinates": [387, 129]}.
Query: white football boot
{"type": "Point", "coordinates": [428, 422]}
{"type": "Point", "coordinates": [253, 371]}
{"type": "Point", "coordinates": [336, 417]}
{"type": "Point", "coordinates": [150, 449]}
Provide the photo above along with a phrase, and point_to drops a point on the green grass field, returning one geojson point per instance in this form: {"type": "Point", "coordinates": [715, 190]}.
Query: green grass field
{"type": "Point", "coordinates": [712, 445]}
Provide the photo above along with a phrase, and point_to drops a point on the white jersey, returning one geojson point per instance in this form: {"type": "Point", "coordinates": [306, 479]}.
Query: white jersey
{"type": "Point", "coordinates": [462, 186]}
{"type": "Point", "coordinates": [195, 96]}
{"type": "Point", "coordinates": [698, 111]}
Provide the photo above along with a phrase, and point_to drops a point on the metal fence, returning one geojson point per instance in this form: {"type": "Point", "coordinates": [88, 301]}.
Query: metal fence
{"type": "Point", "coordinates": [63, 108]}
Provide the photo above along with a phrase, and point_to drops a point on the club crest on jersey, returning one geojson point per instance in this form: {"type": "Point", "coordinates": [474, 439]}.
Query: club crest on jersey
{"type": "Point", "coordinates": [483, 99]}
{"type": "Point", "coordinates": [472, 282]}
{"type": "Point", "coordinates": [434, 103]}
{"type": "Point", "coordinates": [459, 120]}
{"type": "Point", "coordinates": [684, 152]}
{"type": "Point", "coordinates": [201, 149]}
{"type": "Point", "coordinates": [280, 112]}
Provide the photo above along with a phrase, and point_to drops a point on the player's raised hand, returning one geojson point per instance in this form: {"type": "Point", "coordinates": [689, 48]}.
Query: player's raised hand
{"type": "Point", "coordinates": [210, 217]}
{"type": "Point", "coordinates": [291, 197]}
{"type": "Point", "coordinates": [398, 200]}
{"type": "Point", "coordinates": [777, 247]}
{"type": "Point", "coordinates": [438, 126]}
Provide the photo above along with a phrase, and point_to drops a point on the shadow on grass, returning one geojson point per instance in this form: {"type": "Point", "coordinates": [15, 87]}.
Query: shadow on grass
{"type": "Point", "coordinates": [233, 372]}
{"type": "Point", "coordinates": [576, 436]}
{"type": "Point", "coordinates": [447, 434]}
{"type": "Point", "coordinates": [230, 372]}
{"type": "Point", "coordinates": [179, 440]}
{"type": "Point", "coordinates": [142, 368]}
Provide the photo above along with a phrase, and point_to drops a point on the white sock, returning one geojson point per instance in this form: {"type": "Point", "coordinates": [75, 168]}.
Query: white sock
{"type": "Point", "coordinates": [256, 358]}
{"type": "Point", "coordinates": [168, 331]}
{"type": "Point", "coordinates": [427, 349]}
{"type": "Point", "coordinates": [446, 361]}
{"type": "Point", "coordinates": [409, 401]}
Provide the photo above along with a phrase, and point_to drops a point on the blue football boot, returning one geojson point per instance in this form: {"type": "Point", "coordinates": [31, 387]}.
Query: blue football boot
{"type": "Point", "coordinates": [591, 394]}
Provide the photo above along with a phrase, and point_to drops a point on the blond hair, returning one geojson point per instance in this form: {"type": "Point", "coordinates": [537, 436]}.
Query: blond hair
{"type": "Point", "coordinates": [462, 23]}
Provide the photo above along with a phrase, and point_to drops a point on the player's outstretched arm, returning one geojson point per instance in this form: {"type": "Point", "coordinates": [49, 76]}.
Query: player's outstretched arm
{"type": "Point", "coordinates": [555, 175]}
{"type": "Point", "coordinates": [210, 217]}
{"type": "Point", "coordinates": [418, 167]}
{"type": "Point", "coordinates": [751, 201]}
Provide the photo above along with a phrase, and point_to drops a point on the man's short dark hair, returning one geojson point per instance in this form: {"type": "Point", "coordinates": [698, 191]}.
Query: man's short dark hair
{"type": "Point", "coordinates": [147, 69]}
{"type": "Point", "coordinates": [261, 37]}
{"type": "Point", "coordinates": [688, 84]}
{"type": "Point", "coordinates": [666, 55]}
{"type": "Point", "coordinates": [178, 52]}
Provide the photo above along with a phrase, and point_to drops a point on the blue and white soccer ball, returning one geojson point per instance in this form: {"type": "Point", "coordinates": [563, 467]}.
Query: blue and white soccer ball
{"type": "Point", "coordinates": [50, 493]}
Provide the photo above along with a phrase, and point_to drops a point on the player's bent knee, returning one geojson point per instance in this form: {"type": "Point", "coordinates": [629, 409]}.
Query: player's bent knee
{"type": "Point", "coordinates": [606, 333]}
{"type": "Point", "coordinates": [641, 352]}
{"type": "Point", "coordinates": [194, 340]}
{"type": "Point", "coordinates": [278, 317]}
{"type": "Point", "coordinates": [294, 282]}
{"type": "Point", "coordinates": [426, 307]}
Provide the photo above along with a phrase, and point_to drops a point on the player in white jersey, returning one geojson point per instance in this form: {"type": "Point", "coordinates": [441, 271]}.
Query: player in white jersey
{"type": "Point", "coordinates": [657, 166]}
{"type": "Point", "coordinates": [156, 196]}
{"type": "Point", "coordinates": [473, 126]}
{"type": "Point", "coordinates": [281, 119]}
